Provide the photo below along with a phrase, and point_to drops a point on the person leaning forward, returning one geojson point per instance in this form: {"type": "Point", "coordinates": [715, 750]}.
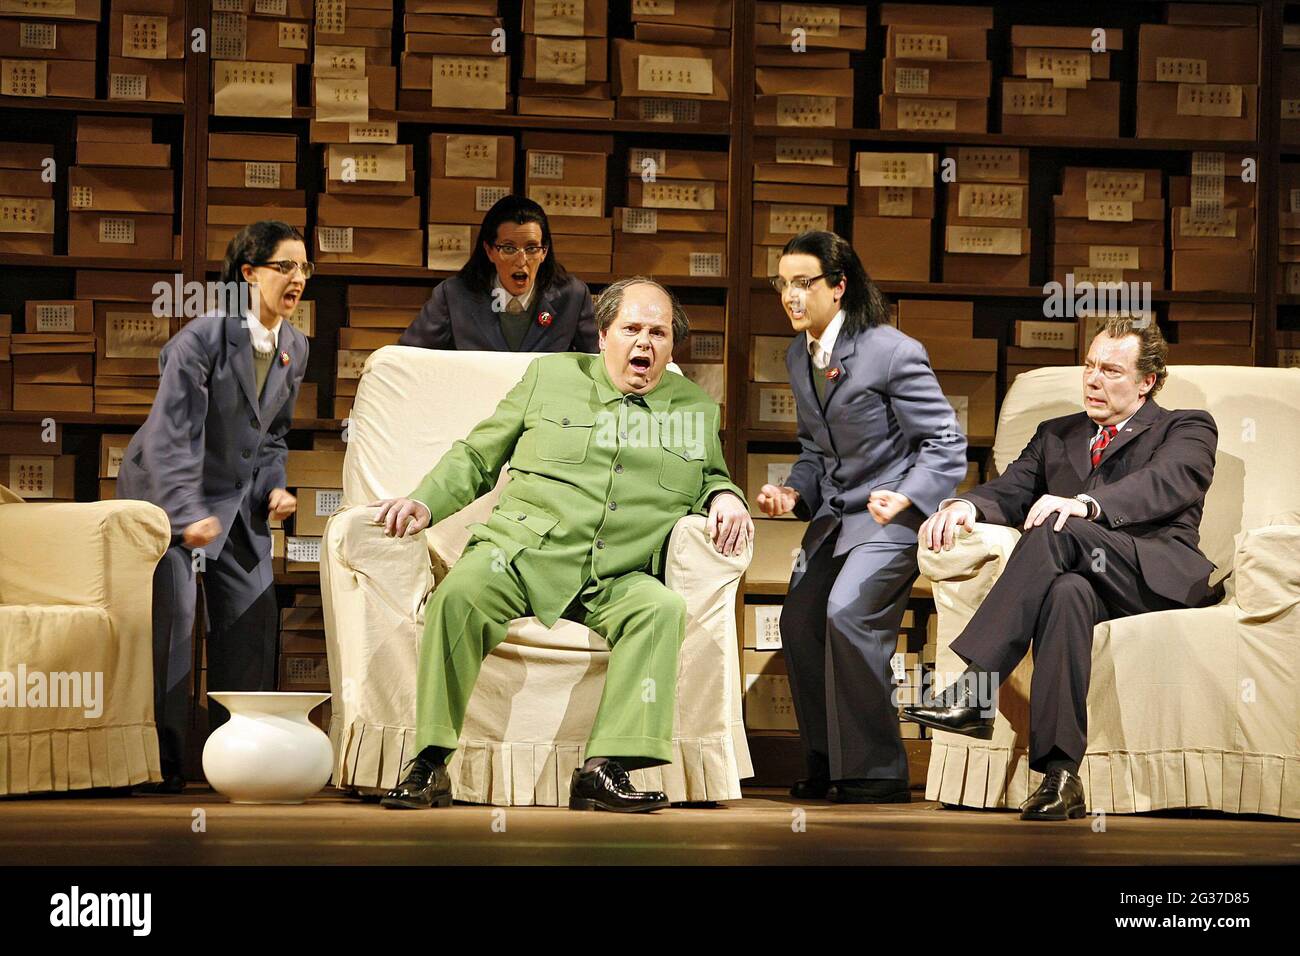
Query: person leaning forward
{"type": "Point", "coordinates": [606, 454]}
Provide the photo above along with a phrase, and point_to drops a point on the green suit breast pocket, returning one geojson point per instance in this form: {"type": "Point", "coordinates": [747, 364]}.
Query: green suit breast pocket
{"type": "Point", "coordinates": [682, 469]}
{"type": "Point", "coordinates": [563, 434]}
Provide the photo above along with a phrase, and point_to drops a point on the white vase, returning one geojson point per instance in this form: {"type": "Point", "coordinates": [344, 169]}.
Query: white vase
{"type": "Point", "coordinates": [268, 752]}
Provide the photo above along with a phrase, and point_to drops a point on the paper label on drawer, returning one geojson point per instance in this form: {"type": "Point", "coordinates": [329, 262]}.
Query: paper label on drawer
{"type": "Point", "coordinates": [1291, 109]}
{"type": "Point", "coordinates": [927, 114]}
{"type": "Point", "coordinates": [342, 100]}
{"type": "Point", "coordinates": [561, 61]}
{"type": "Point", "coordinates": [351, 362]}
{"type": "Point", "coordinates": [1209, 99]}
{"type": "Point", "coordinates": [654, 8]}
{"type": "Point", "coordinates": [911, 79]}
{"type": "Point", "coordinates": [334, 239]}
{"type": "Point", "coordinates": [39, 8]}
{"type": "Point", "coordinates": [569, 200]}
{"type": "Point", "coordinates": [128, 86]}
{"type": "Point", "coordinates": [640, 220]}
{"type": "Point", "coordinates": [805, 111]}
{"type": "Point", "coordinates": [990, 201]}
{"type": "Point", "coordinates": [228, 6]}
{"type": "Point", "coordinates": [371, 164]}
{"type": "Point", "coordinates": [1098, 276]}
{"type": "Point", "coordinates": [302, 549]}
{"type": "Point", "coordinates": [81, 197]}
{"type": "Point", "coordinates": [815, 21]}
{"type": "Point", "coordinates": [1181, 69]}
{"type": "Point", "coordinates": [229, 36]}
{"type": "Point", "coordinates": [271, 8]}
{"type": "Point", "coordinates": [767, 617]}
{"type": "Point", "coordinates": [894, 201]}
{"type": "Point", "coordinates": [1066, 69]}
{"type": "Point", "coordinates": [678, 195]}
{"type": "Point", "coordinates": [470, 157]}
{"type": "Point", "coordinates": [328, 502]}
{"type": "Point", "coordinates": [374, 131]}
{"type": "Point", "coordinates": [339, 61]}
{"type": "Point", "coordinates": [331, 16]}
{"type": "Point", "coordinates": [117, 231]}
{"type": "Point", "coordinates": [636, 161]}
{"type": "Point", "coordinates": [39, 36]}
{"type": "Point", "coordinates": [896, 169]}
{"type": "Point", "coordinates": [129, 335]}
{"type": "Point", "coordinates": [253, 89]}
{"type": "Point", "coordinates": [707, 347]}
{"type": "Point", "coordinates": [259, 175]}
{"type": "Point", "coordinates": [1113, 257]}
{"type": "Point", "coordinates": [1034, 98]}
{"type": "Point", "coordinates": [485, 197]}
{"type": "Point", "coordinates": [898, 664]}
{"type": "Point", "coordinates": [674, 74]}
{"type": "Point", "coordinates": [26, 215]}
{"type": "Point", "coordinates": [293, 36]}
{"type": "Point", "coordinates": [984, 240]}
{"type": "Point", "coordinates": [559, 18]}
{"type": "Point", "coordinates": [475, 82]}
{"type": "Point", "coordinates": [776, 405]}
{"type": "Point", "coordinates": [545, 165]}
{"type": "Point", "coordinates": [1225, 228]}
{"type": "Point", "coordinates": [920, 46]}
{"type": "Point", "coordinates": [1208, 163]}
{"type": "Point", "coordinates": [1102, 184]}
{"type": "Point", "coordinates": [448, 246]}
{"type": "Point", "coordinates": [705, 263]}
{"type": "Point", "coordinates": [144, 37]}
{"type": "Point", "coordinates": [809, 152]}
{"type": "Point", "coordinates": [32, 477]}
{"type": "Point", "coordinates": [51, 317]}
{"type": "Point", "coordinates": [115, 456]}
{"type": "Point", "coordinates": [773, 260]}
{"type": "Point", "coordinates": [1294, 198]}
{"type": "Point", "coordinates": [789, 220]}
{"type": "Point", "coordinates": [1207, 196]}
{"type": "Point", "coordinates": [1110, 210]}
{"type": "Point", "coordinates": [22, 77]}
{"type": "Point", "coordinates": [303, 317]}
{"type": "Point", "coordinates": [659, 110]}
{"type": "Point", "coordinates": [983, 164]}
{"type": "Point", "coordinates": [778, 472]}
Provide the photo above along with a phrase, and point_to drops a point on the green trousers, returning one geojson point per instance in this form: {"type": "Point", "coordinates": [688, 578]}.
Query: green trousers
{"type": "Point", "coordinates": [643, 621]}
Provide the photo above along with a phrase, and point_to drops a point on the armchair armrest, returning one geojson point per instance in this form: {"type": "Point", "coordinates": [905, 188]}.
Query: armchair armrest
{"type": "Point", "coordinates": [397, 571]}
{"type": "Point", "coordinates": [971, 553]}
{"type": "Point", "coordinates": [694, 568]}
{"type": "Point", "coordinates": [1267, 571]}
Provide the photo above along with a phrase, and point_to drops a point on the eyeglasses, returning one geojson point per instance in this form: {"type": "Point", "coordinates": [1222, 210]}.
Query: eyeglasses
{"type": "Point", "coordinates": [802, 284]}
{"type": "Point", "coordinates": [286, 267]}
{"type": "Point", "coordinates": [510, 250]}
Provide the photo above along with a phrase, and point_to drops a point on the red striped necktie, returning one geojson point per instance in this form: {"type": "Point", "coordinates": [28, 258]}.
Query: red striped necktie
{"type": "Point", "coordinates": [1100, 441]}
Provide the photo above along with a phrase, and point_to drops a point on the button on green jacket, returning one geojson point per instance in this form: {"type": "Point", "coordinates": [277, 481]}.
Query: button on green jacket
{"type": "Point", "coordinates": [597, 478]}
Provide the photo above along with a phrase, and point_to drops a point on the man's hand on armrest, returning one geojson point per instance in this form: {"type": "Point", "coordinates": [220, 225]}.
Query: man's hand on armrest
{"type": "Point", "coordinates": [940, 529]}
{"type": "Point", "coordinates": [402, 516]}
{"type": "Point", "coordinates": [730, 526]}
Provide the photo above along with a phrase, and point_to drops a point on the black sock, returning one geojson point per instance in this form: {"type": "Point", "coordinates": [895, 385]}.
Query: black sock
{"type": "Point", "coordinates": [1057, 760]}
{"type": "Point", "coordinates": [434, 755]}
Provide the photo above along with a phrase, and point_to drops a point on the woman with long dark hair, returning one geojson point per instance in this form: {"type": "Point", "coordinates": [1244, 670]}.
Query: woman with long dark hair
{"type": "Point", "coordinates": [512, 295]}
{"type": "Point", "coordinates": [212, 454]}
{"type": "Point", "coordinates": [880, 449]}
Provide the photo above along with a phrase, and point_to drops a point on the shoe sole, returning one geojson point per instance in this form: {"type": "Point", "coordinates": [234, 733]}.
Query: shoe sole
{"type": "Point", "coordinates": [394, 803]}
{"type": "Point", "coordinates": [1074, 813]}
{"type": "Point", "coordinates": [583, 803]}
{"type": "Point", "coordinates": [980, 733]}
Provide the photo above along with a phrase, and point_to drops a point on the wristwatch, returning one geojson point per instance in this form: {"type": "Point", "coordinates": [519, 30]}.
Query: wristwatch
{"type": "Point", "coordinates": [1094, 509]}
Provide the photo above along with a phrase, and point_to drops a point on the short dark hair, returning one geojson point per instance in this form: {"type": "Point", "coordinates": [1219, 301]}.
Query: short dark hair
{"type": "Point", "coordinates": [610, 301]}
{"type": "Point", "coordinates": [1153, 350]}
{"type": "Point", "coordinates": [478, 270]}
{"type": "Point", "coordinates": [254, 245]}
{"type": "Point", "coordinates": [863, 303]}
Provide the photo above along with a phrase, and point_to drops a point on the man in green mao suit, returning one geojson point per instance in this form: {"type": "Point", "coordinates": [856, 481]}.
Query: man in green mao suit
{"type": "Point", "coordinates": [606, 453]}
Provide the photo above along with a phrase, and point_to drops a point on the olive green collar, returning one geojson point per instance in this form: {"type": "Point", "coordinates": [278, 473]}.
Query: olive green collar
{"type": "Point", "coordinates": [658, 399]}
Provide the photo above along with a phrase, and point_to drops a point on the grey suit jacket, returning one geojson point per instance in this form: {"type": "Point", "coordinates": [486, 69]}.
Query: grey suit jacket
{"type": "Point", "coordinates": [886, 425]}
{"type": "Point", "coordinates": [457, 317]}
{"type": "Point", "coordinates": [210, 446]}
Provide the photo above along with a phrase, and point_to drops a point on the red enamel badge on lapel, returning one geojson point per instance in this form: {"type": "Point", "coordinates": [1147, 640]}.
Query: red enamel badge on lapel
{"type": "Point", "coordinates": [544, 319]}
{"type": "Point", "coordinates": [832, 374]}
{"type": "Point", "coordinates": [284, 358]}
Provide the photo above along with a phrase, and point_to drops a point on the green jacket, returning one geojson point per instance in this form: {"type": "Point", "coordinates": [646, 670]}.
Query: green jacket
{"type": "Point", "coordinates": [597, 478]}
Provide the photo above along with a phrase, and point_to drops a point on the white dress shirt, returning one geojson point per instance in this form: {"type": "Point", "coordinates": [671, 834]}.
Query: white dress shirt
{"type": "Point", "coordinates": [820, 348]}
{"type": "Point", "coordinates": [264, 340]}
{"type": "Point", "coordinates": [513, 303]}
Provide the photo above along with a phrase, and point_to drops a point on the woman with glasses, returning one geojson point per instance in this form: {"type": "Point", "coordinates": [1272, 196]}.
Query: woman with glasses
{"type": "Point", "coordinates": [512, 295]}
{"type": "Point", "coordinates": [880, 448]}
{"type": "Point", "coordinates": [212, 455]}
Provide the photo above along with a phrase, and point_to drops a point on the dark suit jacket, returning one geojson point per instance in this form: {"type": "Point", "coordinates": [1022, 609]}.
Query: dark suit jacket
{"type": "Point", "coordinates": [885, 425]}
{"type": "Point", "coordinates": [209, 445]}
{"type": "Point", "coordinates": [456, 317]}
{"type": "Point", "coordinates": [1151, 484]}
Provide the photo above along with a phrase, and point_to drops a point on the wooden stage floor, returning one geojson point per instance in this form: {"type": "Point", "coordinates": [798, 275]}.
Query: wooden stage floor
{"type": "Point", "coordinates": [334, 829]}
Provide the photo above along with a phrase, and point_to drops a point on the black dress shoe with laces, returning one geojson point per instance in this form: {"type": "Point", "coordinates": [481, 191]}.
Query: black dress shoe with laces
{"type": "Point", "coordinates": [964, 715]}
{"type": "Point", "coordinates": [811, 788]}
{"type": "Point", "coordinates": [1058, 797]}
{"type": "Point", "coordinates": [869, 791]}
{"type": "Point", "coordinates": [608, 787]}
{"type": "Point", "coordinates": [426, 785]}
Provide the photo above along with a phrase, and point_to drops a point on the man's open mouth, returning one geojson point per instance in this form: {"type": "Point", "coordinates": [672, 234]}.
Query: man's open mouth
{"type": "Point", "coordinates": [641, 363]}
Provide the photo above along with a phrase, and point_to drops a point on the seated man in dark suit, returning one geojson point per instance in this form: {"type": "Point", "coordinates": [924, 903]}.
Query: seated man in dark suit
{"type": "Point", "coordinates": [1110, 500]}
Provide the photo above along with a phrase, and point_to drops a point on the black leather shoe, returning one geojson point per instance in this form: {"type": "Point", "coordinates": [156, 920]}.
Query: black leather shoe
{"type": "Point", "coordinates": [869, 791]}
{"type": "Point", "coordinates": [811, 788]}
{"type": "Point", "coordinates": [1058, 797]}
{"type": "Point", "coordinates": [962, 716]}
{"type": "Point", "coordinates": [609, 788]}
{"type": "Point", "coordinates": [426, 785]}
{"type": "Point", "coordinates": [171, 784]}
